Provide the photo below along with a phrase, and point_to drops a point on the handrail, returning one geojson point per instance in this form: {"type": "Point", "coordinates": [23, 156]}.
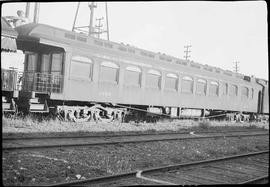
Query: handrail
{"type": "Point", "coordinates": [42, 82]}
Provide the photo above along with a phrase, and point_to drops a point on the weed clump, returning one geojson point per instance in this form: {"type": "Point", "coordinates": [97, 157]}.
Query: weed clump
{"type": "Point", "coordinates": [204, 124]}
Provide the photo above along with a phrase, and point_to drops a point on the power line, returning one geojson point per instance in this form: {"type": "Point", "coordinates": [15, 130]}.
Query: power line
{"type": "Point", "coordinates": [187, 51]}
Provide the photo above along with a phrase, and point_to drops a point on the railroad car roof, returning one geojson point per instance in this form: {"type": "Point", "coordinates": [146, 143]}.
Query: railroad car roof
{"type": "Point", "coordinates": [34, 31]}
{"type": "Point", "coordinates": [8, 36]}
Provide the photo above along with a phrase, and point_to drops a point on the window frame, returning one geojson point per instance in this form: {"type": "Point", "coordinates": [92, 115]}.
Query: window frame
{"type": "Point", "coordinates": [153, 72]}
{"type": "Point", "coordinates": [112, 65]}
{"type": "Point", "coordinates": [216, 83]}
{"type": "Point", "coordinates": [62, 63]}
{"type": "Point", "coordinates": [187, 78]}
{"type": "Point", "coordinates": [171, 76]}
{"type": "Point", "coordinates": [42, 64]}
{"type": "Point", "coordinates": [133, 69]}
{"type": "Point", "coordinates": [36, 54]}
{"type": "Point", "coordinates": [225, 86]}
{"type": "Point", "coordinates": [200, 80]}
{"type": "Point", "coordinates": [243, 95]}
{"type": "Point", "coordinates": [83, 60]}
{"type": "Point", "coordinates": [236, 90]}
{"type": "Point", "coordinates": [252, 93]}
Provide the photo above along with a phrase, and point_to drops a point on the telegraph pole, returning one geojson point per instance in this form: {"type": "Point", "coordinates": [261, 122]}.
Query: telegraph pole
{"type": "Point", "coordinates": [187, 51]}
{"type": "Point", "coordinates": [91, 6]}
{"type": "Point", "coordinates": [236, 67]}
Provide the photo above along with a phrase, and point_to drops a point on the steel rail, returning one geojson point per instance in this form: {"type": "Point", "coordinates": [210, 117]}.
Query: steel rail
{"type": "Point", "coordinates": [156, 169]}
{"type": "Point", "coordinates": [139, 175]}
{"type": "Point", "coordinates": [110, 142]}
{"type": "Point", "coordinates": [120, 135]}
{"type": "Point", "coordinates": [259, 179]}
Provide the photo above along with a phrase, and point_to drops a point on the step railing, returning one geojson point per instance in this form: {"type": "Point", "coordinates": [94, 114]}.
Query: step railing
{"type": "Point", "coordinates": [42, 82]}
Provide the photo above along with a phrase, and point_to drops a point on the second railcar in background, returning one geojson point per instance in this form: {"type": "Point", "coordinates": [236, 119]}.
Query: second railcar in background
{"type": "Point", "coordinates": [9, 69]}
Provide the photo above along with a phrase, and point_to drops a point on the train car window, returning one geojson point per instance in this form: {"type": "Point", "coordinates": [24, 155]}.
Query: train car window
{"type": "Point", "coordinates": [45, 63]}
{"type": "Point", "coordinates": [244, 92]}
{"type": "Point", "coordinates": [252, 93]}
{"type": "Point", "coordinates": [225, 88]}
{"type": "Point", "coordinates": [187, 85]}
{"type": "Point", "coordinates": [81, 67]}
{"type": "Point", "coordinates": [132, 75]}
{"type": "Point", "coordinates": [109, 72]}
{"type": "Point", "coordinates": [153, 79]}
{"type": "Point", "coordinates": [213, 88]}
{"type": "Point", "coordinates": [32, 62]}
{"type": "Point", "coordinates": [201, 87]}
{"type": "Point", "coordinates": [233, 90]}
{"type": "Point", "coordinates": [171, 81]}
{"type": "Point", "coordinates": [57, 62]}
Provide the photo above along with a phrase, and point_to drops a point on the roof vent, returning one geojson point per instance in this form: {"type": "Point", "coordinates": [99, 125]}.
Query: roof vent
{"type": "Point", "coordinates": [247, 78]}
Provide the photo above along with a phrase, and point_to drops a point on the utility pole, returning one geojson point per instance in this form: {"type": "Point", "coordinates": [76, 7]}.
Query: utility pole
{"type": "Point", "coordinates": [36, 13]}
{"type": "Point", "coordinates": [99, 26]}
{"type": "Point", "coordinates": [91, 6]}
{"type": "Point", "coordinates": [187, 51]}
{"type": "Point", "coordinates": [107, 21]}
{"type": "Point", "coordinates": [27, 10]}
{"type": "Point", "coordinates": [236, 67]}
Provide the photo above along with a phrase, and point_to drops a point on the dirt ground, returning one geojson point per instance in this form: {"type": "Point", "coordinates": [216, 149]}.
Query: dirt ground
{"type": "Point", "coordinates": [50, 166]}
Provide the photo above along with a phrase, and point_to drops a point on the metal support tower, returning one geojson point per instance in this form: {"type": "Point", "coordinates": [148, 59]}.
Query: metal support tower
{"type": "Point", "coordinates": [91, 31]}
{"type": "Point", "coordinates": [91, 6]}
{"type": "Point", "coordinates": [187, 51]}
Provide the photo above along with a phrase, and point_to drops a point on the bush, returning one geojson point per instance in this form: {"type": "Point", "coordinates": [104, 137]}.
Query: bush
{"type": "Point", "coordinates": [251, 126]}
{"type": "Point", "coordinates": [204, 124]}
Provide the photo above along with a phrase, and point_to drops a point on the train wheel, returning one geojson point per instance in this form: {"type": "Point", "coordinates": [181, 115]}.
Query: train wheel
{"type": "Point", "coordinates": [76, 117]}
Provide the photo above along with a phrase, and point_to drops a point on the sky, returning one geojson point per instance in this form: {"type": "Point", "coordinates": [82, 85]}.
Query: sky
{"type": "Point", "coordinates": [220, 32]}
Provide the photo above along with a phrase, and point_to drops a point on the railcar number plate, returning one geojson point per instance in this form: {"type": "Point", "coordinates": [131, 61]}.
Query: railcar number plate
{"type": "Point", "coordinates": [105, 94]}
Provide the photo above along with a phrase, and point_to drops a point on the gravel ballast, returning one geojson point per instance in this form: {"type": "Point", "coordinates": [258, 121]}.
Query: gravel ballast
{"type": "Point", "coordinates": [64, 164]}
{"type": "Point", "coordinates": [49, 166]}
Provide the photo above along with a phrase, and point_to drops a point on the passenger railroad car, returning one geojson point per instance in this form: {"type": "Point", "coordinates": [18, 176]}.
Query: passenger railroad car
{"type": "Point", "coordinates": [63, 68]}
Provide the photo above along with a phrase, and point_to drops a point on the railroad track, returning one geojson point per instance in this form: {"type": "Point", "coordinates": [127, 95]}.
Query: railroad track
{"type": "Point", "coordinates": [15, 137]}
{"type": "Point", "coordinates": [50, 142]}
{"type": "Point", "coordinates": [251, 168]}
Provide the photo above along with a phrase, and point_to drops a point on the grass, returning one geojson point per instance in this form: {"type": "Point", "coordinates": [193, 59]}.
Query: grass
{"type": "Point", "coordinates": [33, 124]}
{"type": "Point", "coordinates": [252, 126]}
{"type": "Point", "coordinates": [204, 124]}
